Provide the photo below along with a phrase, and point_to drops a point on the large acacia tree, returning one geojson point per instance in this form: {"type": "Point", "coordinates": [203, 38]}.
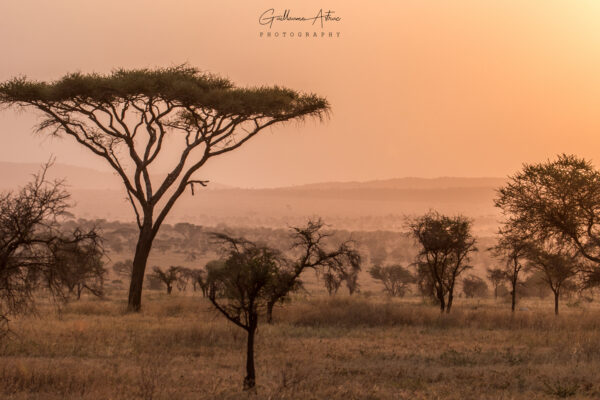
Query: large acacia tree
{"type": "Point", "coordinates": [129, 117]}
{"type": "Point", "coordinates": [558, 199]}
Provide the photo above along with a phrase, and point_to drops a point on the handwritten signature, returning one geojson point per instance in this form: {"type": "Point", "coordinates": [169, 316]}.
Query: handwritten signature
{"type": "Point", "coordinates": [268, 17]}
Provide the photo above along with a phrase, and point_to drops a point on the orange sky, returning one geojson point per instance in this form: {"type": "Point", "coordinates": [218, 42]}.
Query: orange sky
{"type": "Point", "coordinates": [418, 87]}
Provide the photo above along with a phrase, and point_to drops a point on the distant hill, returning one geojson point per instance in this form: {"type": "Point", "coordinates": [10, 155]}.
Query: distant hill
{"type": "Point", "coordinates": [407, 183]}
{"type": "Point", "coordinates": [13, 175]}
{"type": "Point", "coordinates": [372, 205]}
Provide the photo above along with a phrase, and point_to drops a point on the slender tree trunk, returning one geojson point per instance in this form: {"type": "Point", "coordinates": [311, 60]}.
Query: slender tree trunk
{"type": "Point", "coordinates": [556, 293]}
{"type": "Point", "coordinates": [450, 298]}
{"type": "Point", "coordinates": [270, 305]}
{"type": "Point", "coordinates": [250, 379]}
{"type": "Point", "coordinates": [142, 251]}
{"type": "Point", "coordinates": [442, 300]}
{"type": "Point", "coordinates": [513, 294]}
{"type": "Point", "coordinates": [169, 289]}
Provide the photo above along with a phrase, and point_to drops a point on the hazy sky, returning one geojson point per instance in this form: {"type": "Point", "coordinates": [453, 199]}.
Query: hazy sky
{"type": "Point", "coordinates": [418, 87]}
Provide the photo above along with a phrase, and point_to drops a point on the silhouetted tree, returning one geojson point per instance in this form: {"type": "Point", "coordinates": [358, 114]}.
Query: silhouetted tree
{"type": "Point", "coordinates": [244, 280]}
{"type": "Point", "coordinates": [445, 245]}
{"type": "Point", "coordinates": [128, 117]}
{"type": "Point", "coordinates": [556, 200]}
{"type": "Point", "coordinates": [558, 264]}
{"type": "Point", "coordinates": [32, 243]}
{"type": "Point", "coordinates": [168, 277]}
{"type": "Point", "coordinates": [496, 276]}
{"type": "Point", "coordinates": [511, 248]}
{"type": "Point", "coordinates": [80, 267]}
{"type": "Point", "coordinates": [474, 286]}
{"type": "Point", "coordinates": [395, 278]}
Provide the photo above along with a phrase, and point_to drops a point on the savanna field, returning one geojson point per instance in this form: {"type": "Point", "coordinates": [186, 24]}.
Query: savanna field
{"type": "Point", "coordinates": [365, 346]}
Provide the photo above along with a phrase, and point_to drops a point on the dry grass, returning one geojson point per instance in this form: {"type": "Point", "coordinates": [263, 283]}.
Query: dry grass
{"type": "Point", "coordinates": [318, 348]}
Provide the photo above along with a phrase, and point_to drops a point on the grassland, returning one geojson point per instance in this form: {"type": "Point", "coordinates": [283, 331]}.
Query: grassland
{"type": "Point", "coordinates": [365, 347]}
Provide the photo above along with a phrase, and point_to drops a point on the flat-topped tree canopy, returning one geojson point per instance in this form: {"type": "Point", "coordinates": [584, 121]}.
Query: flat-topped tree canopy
{"type": "Point", "coordinates": [181, 86]}
{"type": "Point", "coordinates": [125, 116]}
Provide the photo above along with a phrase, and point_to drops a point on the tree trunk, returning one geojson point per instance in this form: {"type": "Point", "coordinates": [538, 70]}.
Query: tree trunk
{"type": "Point", "coordinates": [142, 251]}
{"type": "Point", "coordinates": [270, 305]}
{"type": "Point", "coordinates": [442, 300]}
{"type": "Point", "coordinates": [450, 298]}
{"type": "Point", "coordinates": [169, 289]}
{"type": "Point", "coordinates": [556, 302]}
{"type": "Point", "coordinates": [250, 379]}
{"type": "Point", "coordinates": [514, 297]}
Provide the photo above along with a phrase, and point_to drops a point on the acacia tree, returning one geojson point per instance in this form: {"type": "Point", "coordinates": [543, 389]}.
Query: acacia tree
{"type": "Point", "coordinates": [244, 279]}
{"type": "Point", "coordinates": [128, 117]}
{"type": "Point", "coordinates": [395, 278]}
{"type": "Point", "coordinates": [79, 267]}
{"type": "Point", "coordinates": [558, 265]}
{"type": "Point", "coordinates": [168, 277]}
{"type": "Point", "coordinates": [512, 248]}
{"type": "Point", "coordinates": [32, 243]}
{"type": "Point", "coordinates": [556, 200]}
{"type": "Point", "coordinates": [474, 286]}
{"type": "Point", "coordinates": [445, 246]}
{"type": "Point", "coordinates": [496, 276]}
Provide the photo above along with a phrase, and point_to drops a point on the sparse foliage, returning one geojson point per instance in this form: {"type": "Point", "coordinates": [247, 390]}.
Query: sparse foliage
{"type": "Point", "coordinates": [33, 248]}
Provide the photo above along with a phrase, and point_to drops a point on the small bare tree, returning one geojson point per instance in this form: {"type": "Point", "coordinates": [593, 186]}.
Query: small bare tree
{"type": "Point", "coordinates": [314, 251]}
{"type": "Point", "coordinates": [512, 248]}
{"type": "Point", "coordinates": [32, 242]}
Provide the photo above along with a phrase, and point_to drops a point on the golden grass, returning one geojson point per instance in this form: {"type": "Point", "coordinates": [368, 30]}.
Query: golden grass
{"type": "Point", "coordinates": [318, 348]}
